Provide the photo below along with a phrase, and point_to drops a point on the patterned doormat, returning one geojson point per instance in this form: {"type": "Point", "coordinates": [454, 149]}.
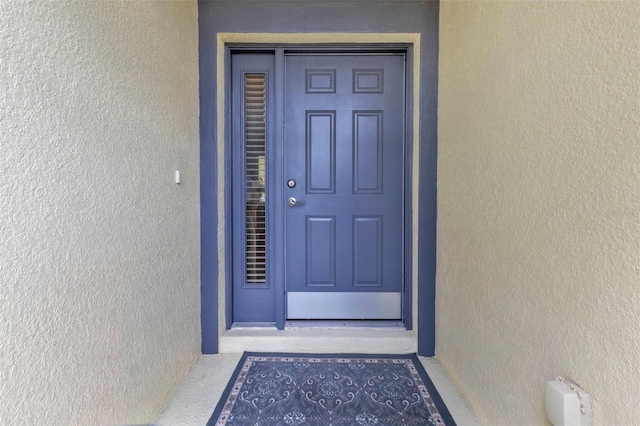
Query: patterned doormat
{"type": "Point", "coordinates": [330, 390]}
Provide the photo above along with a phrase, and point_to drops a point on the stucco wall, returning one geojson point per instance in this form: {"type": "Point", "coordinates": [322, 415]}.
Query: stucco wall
{"type": "Point", "coordinates": [539, 204]}
{"type": "Point", "coordinates": [99, 249]}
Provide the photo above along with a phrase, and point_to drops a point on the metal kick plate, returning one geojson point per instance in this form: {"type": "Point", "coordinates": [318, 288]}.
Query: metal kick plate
{"type": "Point", "coordinates": [350, 305]}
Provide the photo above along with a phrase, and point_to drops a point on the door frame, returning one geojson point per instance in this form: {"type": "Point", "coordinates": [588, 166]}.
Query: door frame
{"type": "Point", "coordinates": [275, 242]}
{"type": "Point", "coordinates": [409, 44]}
{"type": "Point", "coordinates": [214, 60]}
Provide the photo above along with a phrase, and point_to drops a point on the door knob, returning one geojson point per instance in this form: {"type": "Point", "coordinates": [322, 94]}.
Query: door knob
{"type": "Point", "coordinates": [292, 202]}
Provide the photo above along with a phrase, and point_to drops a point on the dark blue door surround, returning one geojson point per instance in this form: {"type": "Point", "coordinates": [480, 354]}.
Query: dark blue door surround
{"type": "Point", "coordinates": [293, 16]}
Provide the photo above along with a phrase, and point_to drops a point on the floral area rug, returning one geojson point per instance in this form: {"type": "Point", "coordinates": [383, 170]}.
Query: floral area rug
{"type": "Point", "coordinates": [330, 390]}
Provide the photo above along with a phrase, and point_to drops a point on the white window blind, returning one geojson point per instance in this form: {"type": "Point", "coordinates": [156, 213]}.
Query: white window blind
{"type": "Point", "coordinates": [255, 142]}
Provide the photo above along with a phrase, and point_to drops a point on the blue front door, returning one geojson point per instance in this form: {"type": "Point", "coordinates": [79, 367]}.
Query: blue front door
{"type": "Point", "coordinates": [344, 167]}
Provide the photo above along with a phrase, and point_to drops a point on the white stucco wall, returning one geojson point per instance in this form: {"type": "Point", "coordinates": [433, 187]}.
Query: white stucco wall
{"type": "Point", "coordinates": [99, 249]}
{"type": "Point", "coordinates": [539, 205]}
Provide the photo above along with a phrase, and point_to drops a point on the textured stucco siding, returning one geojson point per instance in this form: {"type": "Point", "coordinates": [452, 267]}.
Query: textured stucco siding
{"type": "Point", "coordinates": [99, 249]}
{"type": "Point", "coordinates": [538, 270]}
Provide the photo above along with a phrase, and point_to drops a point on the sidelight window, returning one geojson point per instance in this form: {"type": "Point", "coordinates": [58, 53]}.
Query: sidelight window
{"type": "Point", "coordinates": [255, 147]}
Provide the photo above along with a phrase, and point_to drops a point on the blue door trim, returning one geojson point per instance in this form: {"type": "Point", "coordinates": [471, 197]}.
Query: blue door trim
{"type": "Point", "coordinates": [427, 167]}
{"type": "Point", "coordinates": [273, 16]}
{"type": "Point", "coordinates": [208, 183]}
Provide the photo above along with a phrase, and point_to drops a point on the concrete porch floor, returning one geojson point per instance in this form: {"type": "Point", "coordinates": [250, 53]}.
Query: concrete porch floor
{"type": "Point", "coordinates": [198, 394]}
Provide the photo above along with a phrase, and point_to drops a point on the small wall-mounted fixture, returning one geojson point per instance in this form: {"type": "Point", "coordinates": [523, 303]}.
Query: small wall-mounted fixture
{"type": "Point", "coordinates": [178, 177]}
{"type": "Point", "coordinates": [567, 404]}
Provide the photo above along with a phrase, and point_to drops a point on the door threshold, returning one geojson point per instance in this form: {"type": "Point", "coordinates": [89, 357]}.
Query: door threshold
{"type": "Point", "coordinates": [320, 338]}
{"type": "Point", "coordinates": [375, 324]}
{"type": "Point", "coordinates": [250, 325]}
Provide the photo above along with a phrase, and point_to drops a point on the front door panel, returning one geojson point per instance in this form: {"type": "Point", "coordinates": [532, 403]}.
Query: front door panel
{"type": "Point", "coordinates": [344, 163]}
